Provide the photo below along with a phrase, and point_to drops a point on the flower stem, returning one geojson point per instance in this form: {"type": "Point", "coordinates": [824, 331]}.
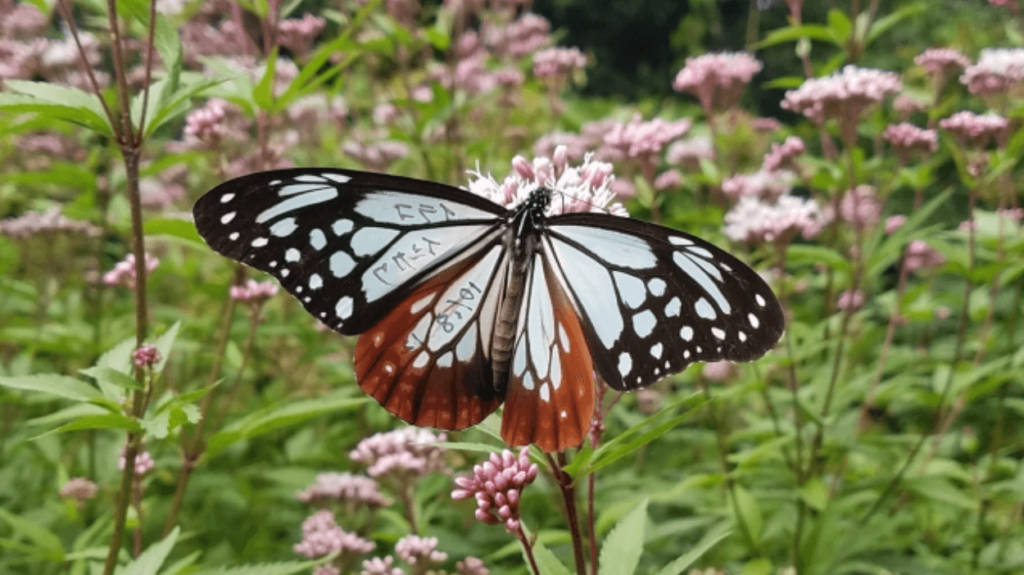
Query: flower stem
{"type": "Point", "coordinates": [569, 497]}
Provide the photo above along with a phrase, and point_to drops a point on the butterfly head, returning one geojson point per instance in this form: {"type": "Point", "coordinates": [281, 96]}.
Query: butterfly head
{"type": "Point", "coordinates": [536, 205]}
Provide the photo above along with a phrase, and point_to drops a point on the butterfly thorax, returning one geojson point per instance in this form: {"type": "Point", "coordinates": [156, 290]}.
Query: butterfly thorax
{"type": "Point", "coordinates": [522, 237]}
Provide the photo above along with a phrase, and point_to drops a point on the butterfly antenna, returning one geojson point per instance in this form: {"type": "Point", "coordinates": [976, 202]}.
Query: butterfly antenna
{"type": "Point", "coordinates": [582, 200]}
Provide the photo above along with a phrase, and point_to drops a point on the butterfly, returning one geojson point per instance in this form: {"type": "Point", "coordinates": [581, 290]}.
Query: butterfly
{"type": "Point", "coordinates": [464, 304]}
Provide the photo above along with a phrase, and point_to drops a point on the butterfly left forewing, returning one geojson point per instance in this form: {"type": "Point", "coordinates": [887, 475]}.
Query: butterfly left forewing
{"type": "Point", "coordinates": [349, 245]}
{"type": "Point", "coordinates": [428, 361]}
{"type": "Point", "coordinates": [550, 399]}
{"type": "Point", "coordinates": [653, 300]}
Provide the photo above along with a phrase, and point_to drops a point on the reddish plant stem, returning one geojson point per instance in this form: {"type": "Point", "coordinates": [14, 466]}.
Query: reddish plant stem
{"type": "Point", "coordinates": [527, 549]}
{"type": "Point", "coordinates": [569, 498]}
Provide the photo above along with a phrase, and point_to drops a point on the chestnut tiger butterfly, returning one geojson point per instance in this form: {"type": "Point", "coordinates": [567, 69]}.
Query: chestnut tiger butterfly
{"type": "Point", "coordinates": [464, 304]}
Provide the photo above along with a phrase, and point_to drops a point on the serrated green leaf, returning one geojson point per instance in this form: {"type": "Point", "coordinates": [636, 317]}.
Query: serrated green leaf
{"type": "Point", "coordinates": [112, 377]}
{"type": "Point", "coordinates": [547, 563]}
{"type": "Point", "coordinates": [158, 426]}
{"type": "Point", "coordinates": [149, 562]}
{"type": "Point", "coordinates": [621, 550]}
{"type": "Point", "coordinates": [53, 384]}
{"type": "Point", "coordinates": [690, 557]}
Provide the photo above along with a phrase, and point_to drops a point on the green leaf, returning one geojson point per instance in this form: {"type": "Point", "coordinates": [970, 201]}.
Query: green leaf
{"type": "Point", "coordinates": [164, 344]}
{"type": "Point", "coordinates": [940, 490]}
{"type": "Point", "coordinates": [263, 93]}
{"type": "Point", "coordinates": [690, 557]}
{"type": "Point", "coordinates": [815, 493]}
{"type": "Point", "coordinates": [118, 358]}
{"type": "Point", "coordinates": [53, 384]}
{"type": "Point", "coordinates": [47, 544]}
{"type": "Point", "coordinates": [107, 421]}
{"type": "Point", "coordinates": [840, 26]}
{"type": "Point", "coordinates": [174, 228]}
{"type": "Point", "coordinates": [83, 116]}
{"type": "Point", "coordinates": [112, 377]}
{"type": "Point", "coordinates": [748, 511]}
{"type": "Point", "coordinates": [158, 426]}
{"type": "Point", "coordinates": [547, 563]}
{"type": "Point", "coordinates": [621, 550]}
{"type": "Point", "coordinates": [282, 568]}
{"type": "Point", "coordinates": [149, 562]}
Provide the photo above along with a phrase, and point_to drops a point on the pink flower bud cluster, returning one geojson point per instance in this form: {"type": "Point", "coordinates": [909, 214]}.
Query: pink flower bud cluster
{"type": "Point", "coordinates": [860, 207]}
{"type": "Point", "coordinates": [850, 300]}
{"type": "Point", "coordinates": [556, 65]}
{"type": "Point", "coordinates": [520, 38]}
{"type": "Point", "coordinates": [719, 370]}
{"type": "Point", "coordinates": [975, 129]}
{"type": "Point", "coordinates": [942, 60]}
{"type": "Point", "coordinates": [782, 155]}
{"type": "Point", "coordinates": [997, 71]}
{"type": "Point", "coordinates": [497, 485]}
{"type": "Point", "coordinates": [640, 140]}
{"type": "Point", "coordinates": [754, 221]}
{"type": "Point", "coordinates": [717, 80]}
{"type": "Point", "coordinates": [297, 34]}
{"type": "Point", "coordinates": [123, 273]}
{"type": "Point", "coordinates": [158, 195]}
{"type": "Point", "coordinates": [378, 566]}
{"type": "Point", "coordinates": [472, 566]}
{"type": "Point", "coordinates": [253, 291]}
{"type": "Point", "coordinates": [419, 551]}
{"type": "Point", "coordinates": [404, 453]}
{"type": "Point", "coordinates": [893, 223]}
{"type": "Point", "coordinates": [689, 153]}
{"type": "Point", "coordinates": [210, 124]}
{"type": "Point", "coordinates": [79, 488]}
{"type": "Point", "coordinates": [46, 223]}
{"type": "Point", "coordinates": [761, 184]}
{"type": "Point", "coordinates": [920, 256]}
{"type": "Point", "coordinates": [376, 156]}
{"type": "Point", "coordinates": [146, 356]}
{"type": "Point", "coordinates": [584, 188]}
{"type": "Point", "coordinates": [843, 95]}
{"type": "Point", "coordinates": [322, 536]}
{"type": "Point", "coordinates": [343, 487]}
{"type": "Point", "coordinates": [143, 462]}
{"type": "Point", "coordinates": [907, 138]}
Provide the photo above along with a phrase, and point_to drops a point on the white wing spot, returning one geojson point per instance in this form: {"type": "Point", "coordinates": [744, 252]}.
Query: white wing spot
{"type": "Point", "coordinates": [667, 364]}
{"type": "Point", "coordinates": [631, 289]}
{"type": "Point", "coordinates": [308, 299]}
{"type": "Point", "coordinates": [342, 227]}
{"type": "Point", "coordinates": [446, 360]}
{"type": "Point", "coordinates": [296, 203]}
{"type": "Point", "coordinates": [298, 289]}
{"type": "Point", "coordinates": [421, 304]}
{"type": "Point", "coordinates": [233, 236]}
{"type": "Point", "coordinates": [556, 369]}
{"type": "Point", "coordinates": [292, 255]}
{"type": "Point", "coordinates": [368, 241]}
{"type": "Point", "coordinates": [545, 393]}
{"type": "Point", "coordinates": [754, 322]}
{"type": "Point", "coordinates": [673, 307]}
{"type": "Point", "coordinates": [419, 333]}
{"type": "Point", "coordinates": [421, 360]}
{"type": "Point", "coordinates": [337, 178]}
{"type": "Point", "coordinates": [528, 382]}
{"type": "Point", "coordinates": [563, 338]}
{"type": "Point", "coordinates": [309, 178]}
{"type": "Point", "coordinates": [701, 252]}
{"type": "Point", "coordinates": [563, 414]}
{"type": "Point", "coordinates": [625, 363]}
{"type": "Point", "coordinates": [699, 275]}
{"type": "Point", "coordinates": [285, 272]}
{"type": "Point", "coordinates": [760, 300]}
{"type": "Point", "coordinates": [656, 350]}
{"type": "Point", "coordinates": [226, 218]}
{"type": "Point", "coordinates": [644, 322]}
{"type": "Point", "coordinates": [680, 241]}
{"type": "Point", "coordinates": [341, 264]}
{"type": "Point", "coordinates": [657, 287]}
{"type": "Point", "coordinates": [317, 239]}
{"type": "Point", "coordinates": [284, 228]}
{"type": "Point", "coordinates": [686, 354]}
{"type": "Point", "coordinates": [227, 198]}
{"type": "Point", "coordinates": [259, 242]}
{"type": "Point", "coordinates": [704, 309]}
{"type": "Point", "coordinates": [743, 336]}
{"type": "Point", "coordinates": [699, 350]}
{"type": "Point", "coordinates": [316, 282]}
{"type": "Point", "coordinates": [686, 333]}
{"type": "Point", "coordinates": [718, 332]}
{"type": "Point", "coordinates": [467, 345]}
{"type": "Point", "coordinates": [344, 308]}
{"type": "Point", "coordinates": [273, 264]}
{"type": "Point", "coordinates": [389, 369]}
{"type": "Point", "coordinates": [519, 361]}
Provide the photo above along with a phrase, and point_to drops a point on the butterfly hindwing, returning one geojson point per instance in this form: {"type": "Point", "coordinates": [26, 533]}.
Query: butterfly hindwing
{"type": "Point", "coordinates": [428, 361]}
{"type": "Point", "coordinates": [653, 300]}
{"type": "Point", "coordinates": [349, 245]}
{"type": "Point", "coordinates": [550, 398]}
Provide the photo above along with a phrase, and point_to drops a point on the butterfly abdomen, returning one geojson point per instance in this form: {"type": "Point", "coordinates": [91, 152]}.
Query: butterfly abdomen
{"type": "Point", "coordinates": [508, 313]}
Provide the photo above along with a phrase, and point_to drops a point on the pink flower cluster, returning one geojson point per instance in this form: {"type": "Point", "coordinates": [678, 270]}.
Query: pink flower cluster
{"type": "Point", "coordinates": [754, 221]}
{"type": "Point", "coordinates": [586, 188]}
{"type": "Point", "coordinates": [850, 300]}
{"type": "Point", "coordinates": [556, 65]}
{"type": "Point", "coordinates": [717, 80]}
{"type": "Point", "coordinates": [860, 207]}
{"type": "Point", "coordinates": [641, 140]}
{"type": "Point", "coordinates": [761, 184]}
{"type": "Point", "coordinates": [842, 95]}
{"type": "Point", "coordinates": [520, 38]}
{"type": "Point", "coordinates": [321, 536]}
{"type": "Point", "coordinates": [942, 60]}
{"type": "Point", "coordinates": [297, 34]}
{"type": "Point", "coordinates": [123, 273]}
{"type": "Point", "coordinates": [920, 256]}
{"type": "Point", "coordinates": [893, 223]}
{"type": "Point", "coordinates": [343, 487]}
{"type": "Point", "coordinates": [907, 138]}
{"type": "Point", "coordinates": [975, 129]}
{"type": "Point", "coordinates": [419, 551]}
{"type": "Point", "coordinates": [79, 488]}
{"type": "Point", "coordinates": [404, 453]}
{"type": "Point", "coordinates": [378, 566]}
{"type": "Point", "coordinates": [782, 155]}
{"type": "Point", "coordinates": [146, 356]}
{"type": "Point", "coordinates": [472, 566]}
{"type": "Point", "coordinates": [253, 291]}
{"type": "Point", "coordinates": [497, 486]}
{"type": "Point", "coordinates": [377, 156]}
{"type": "Point", "coordinates": [143, 462]}
{"type": "Point", "coordinates": [45, 224]}
{"type": "Point", "coordinates": [719, 370]}
{"type": "Point", "coordinates": [996, 72]}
